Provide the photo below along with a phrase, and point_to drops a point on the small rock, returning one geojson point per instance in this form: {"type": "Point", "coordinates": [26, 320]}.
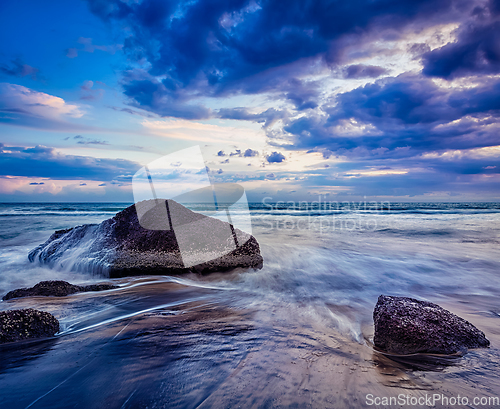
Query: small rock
{"type": "Point", "coordinates": [55, 289]}
{"type": "Point", "coordinates": [98, 287]}
{"type": "Point", "coordinates": [18, 325]}
{"type": "Point", "coordinates": [406, 326]}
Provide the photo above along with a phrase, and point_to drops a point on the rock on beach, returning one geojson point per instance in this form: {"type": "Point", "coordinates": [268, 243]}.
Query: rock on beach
{"type": "Point", "coordinates": [407, 326]}
{"type": "Point", "coordinates": [55, 289]}
{"type": "Point", "coordinates": [170, 244]}
{"type": "Point", "coordinates": [18, 325]}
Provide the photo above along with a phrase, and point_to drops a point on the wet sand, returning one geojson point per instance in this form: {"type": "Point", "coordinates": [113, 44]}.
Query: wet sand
{"type": "Point", "coordinates": [158, 344]}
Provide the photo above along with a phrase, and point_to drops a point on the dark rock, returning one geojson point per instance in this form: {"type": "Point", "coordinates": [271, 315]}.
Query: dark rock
{"type": "Point", "coordinates": [176, 240]}
{"type": "Point", "coordinates": [44, 288]}
{"type": "Point", "coordinates": [18, 325]}
{"type": "Point", "coordinates": [407, 326]}
{"type": "Point", "coordinates": [98, 287]}
{"type": "Point", "coordinates": [55, 289]}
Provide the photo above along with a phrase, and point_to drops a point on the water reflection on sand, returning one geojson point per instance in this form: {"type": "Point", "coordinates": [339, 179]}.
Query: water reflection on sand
{"type": "Point", "coordinates": [160, 344]}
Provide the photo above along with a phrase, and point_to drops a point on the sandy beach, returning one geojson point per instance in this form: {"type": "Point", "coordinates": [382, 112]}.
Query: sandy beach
{"type": "Point", "coordinates": [165, 345]}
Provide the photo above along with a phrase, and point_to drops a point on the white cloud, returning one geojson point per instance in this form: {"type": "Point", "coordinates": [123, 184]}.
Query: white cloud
{"type": "Point", "coordinates": [16, 98]}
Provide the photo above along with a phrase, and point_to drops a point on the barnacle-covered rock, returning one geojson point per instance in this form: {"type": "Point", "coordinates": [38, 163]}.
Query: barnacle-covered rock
{"type": "Point", "coordinates": [18, 325]}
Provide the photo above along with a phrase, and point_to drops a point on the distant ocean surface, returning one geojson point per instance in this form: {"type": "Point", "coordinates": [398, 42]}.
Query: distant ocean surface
{"type": "Point", "coordinates": [315, 254]}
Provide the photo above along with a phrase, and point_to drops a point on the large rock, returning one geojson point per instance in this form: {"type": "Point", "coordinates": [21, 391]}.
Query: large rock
{"type": "Point", "coordinates": [18, 325]}
{"type": "Point", "coordinates": [407, 326]}
{"type": "Point", "coordinates": [55, 289]}
{"type": "Point", "coordinates": [184, 241]}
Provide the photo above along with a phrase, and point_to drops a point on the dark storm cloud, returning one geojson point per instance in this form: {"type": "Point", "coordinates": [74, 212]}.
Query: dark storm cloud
{"type": "Point", "coordinates": [275, 157]}
{"type": "Point", "coordinates": [207, 48]}
{"type": "Point", "coordinates": [407, 115]}
{"type": "Point", "coordinates": [41, 161]}
{"type": "Point", "coordinates": [414, 100]}
{"type": "Point", "coordinates": [303, 95]}
{"type": "Point", "coordinates": [155, 96]}
{"type": "Point", "coordinates": [476, 51]}
{"type": "Point", "coordinates": [494, 7]}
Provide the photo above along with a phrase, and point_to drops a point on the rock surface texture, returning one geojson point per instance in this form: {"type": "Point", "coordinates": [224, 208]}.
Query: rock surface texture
{"type": "Point", "coordinates": [55, 289]}
{"type": "Point", "coordinates": [176, 240]}
{"type": "Point", "coordinates": [18, 325]}
{"type": "Point", "coordinates": [407, 326]}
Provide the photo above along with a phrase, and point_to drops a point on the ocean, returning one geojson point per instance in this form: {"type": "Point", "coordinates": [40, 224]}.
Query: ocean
{"type": "Point", "coordinates": [325, 264]}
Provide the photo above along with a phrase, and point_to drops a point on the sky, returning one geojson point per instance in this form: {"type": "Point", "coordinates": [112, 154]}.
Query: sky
{"type": "Point", "coordinates": [294, 100]}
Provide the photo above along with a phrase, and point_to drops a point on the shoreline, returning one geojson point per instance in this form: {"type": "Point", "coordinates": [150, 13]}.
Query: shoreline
{"type": "Point", "coordinates": [228, 355]}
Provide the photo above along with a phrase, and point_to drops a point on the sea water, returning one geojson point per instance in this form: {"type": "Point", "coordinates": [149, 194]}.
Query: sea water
{"type": "Point", "coordinates": [315, 254]}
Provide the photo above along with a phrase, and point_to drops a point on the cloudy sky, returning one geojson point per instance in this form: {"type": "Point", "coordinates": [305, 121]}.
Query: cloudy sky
{"type": "Point", "coordinates": [383, 99]}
